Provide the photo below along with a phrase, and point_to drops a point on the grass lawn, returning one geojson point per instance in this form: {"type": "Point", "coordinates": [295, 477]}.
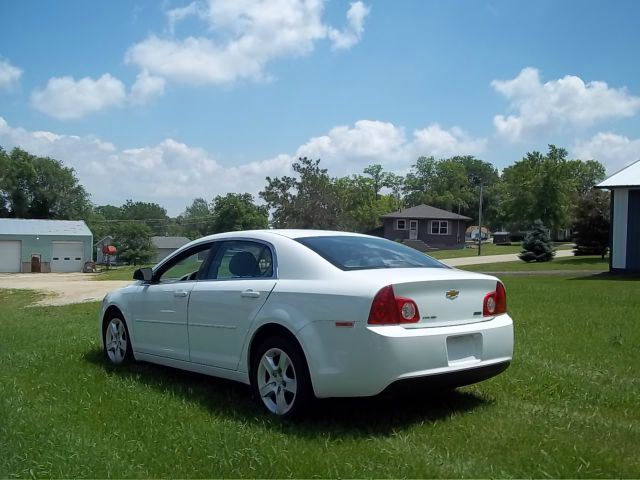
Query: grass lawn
{"type": "Point", "coordinates": [124, 272]}
{"type": "Point", "coordinates": [594, 263]}
{"type": "Point", "coordinates": [567, 407]}
{"type": "Point", "coordinates": [487, 249]}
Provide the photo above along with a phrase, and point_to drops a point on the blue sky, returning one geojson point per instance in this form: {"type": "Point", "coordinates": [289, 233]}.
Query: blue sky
{"type": "Point", "coordinates": [166, 101]}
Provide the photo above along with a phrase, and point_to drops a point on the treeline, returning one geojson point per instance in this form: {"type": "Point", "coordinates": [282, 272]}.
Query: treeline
{"type": "Point", "coordinates": [541, 186]}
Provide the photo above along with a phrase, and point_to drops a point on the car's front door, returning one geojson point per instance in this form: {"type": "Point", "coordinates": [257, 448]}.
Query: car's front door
{"type": "Point", "coordinates": [228, 297]}
{"type": "Point", "coordinates": [160, 308]}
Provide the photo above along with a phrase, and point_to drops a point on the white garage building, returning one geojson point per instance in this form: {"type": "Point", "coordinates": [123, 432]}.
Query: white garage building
{"type": "Point", "coordinates": [44, 245]}
{"type": "Point", "coordinates": [625, 218]}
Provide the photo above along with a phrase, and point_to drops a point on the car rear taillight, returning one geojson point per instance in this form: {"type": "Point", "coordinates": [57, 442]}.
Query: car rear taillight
{"type": "Point", "coordinates": [495, 302]}
{"type": "Point", "coordinates": [388, 309]}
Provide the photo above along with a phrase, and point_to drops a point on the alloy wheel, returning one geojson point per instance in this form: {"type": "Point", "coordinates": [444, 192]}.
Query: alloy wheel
{"type": "Point", "coordinates": [277, 381]}
{"type": "Point", "coordinates": [115, 341]}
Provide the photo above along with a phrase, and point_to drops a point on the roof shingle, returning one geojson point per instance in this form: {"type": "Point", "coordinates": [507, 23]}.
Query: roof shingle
{"type": "Point", "coordinates": [28, 226]}
{"type": "Point", "coordinates": [426, 211]}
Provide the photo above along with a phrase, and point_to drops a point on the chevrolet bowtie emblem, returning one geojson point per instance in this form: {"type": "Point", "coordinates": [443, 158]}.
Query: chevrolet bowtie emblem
{"type": "Point", "coordinates": [452, 294]}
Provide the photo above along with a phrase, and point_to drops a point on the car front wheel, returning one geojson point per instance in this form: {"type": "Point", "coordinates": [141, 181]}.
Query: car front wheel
{"type": "Point", "coordinates": [280, 377]}
{"type": "Point", "coordinates": [117, 345]}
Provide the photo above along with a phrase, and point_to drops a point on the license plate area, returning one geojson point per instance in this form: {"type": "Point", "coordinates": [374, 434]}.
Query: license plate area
{"type": "Point", "coordinates": [464, 349]}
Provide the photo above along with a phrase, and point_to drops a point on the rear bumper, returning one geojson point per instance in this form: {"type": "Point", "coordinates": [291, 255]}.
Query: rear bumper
{"type": "Point", "coordinates": [446, 380]}
{"type": "Point", "coordinates": [365, 360]}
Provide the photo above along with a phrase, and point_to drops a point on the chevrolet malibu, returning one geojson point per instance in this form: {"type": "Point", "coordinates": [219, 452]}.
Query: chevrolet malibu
{"type": "Point", "coordinates": [303, 313]}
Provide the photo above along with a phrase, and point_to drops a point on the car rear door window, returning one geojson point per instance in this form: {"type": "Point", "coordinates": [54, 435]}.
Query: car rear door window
{"type": "Point", "coordinates": [241, 259]}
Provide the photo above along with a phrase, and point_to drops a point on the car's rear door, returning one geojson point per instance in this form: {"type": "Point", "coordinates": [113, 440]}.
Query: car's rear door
{"type": "Point", "coordinates": [226, 299]}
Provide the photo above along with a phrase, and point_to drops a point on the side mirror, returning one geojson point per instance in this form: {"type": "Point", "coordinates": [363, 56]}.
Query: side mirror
{"type": "Point", "coordinates": [144, 274]}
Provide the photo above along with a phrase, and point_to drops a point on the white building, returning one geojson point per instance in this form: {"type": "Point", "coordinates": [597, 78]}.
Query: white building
{"type": "Point", "coordinates": [625, 218]}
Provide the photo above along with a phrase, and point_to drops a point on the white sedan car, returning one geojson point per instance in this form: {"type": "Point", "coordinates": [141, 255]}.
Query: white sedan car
{"type": "Point", "coordinates": [303, 313]}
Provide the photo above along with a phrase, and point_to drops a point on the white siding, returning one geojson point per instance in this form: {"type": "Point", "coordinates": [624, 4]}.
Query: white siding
{"type": "Point", "coordinates": [619, 221]}
{"type": "Point", "coordinates": [67, 256]}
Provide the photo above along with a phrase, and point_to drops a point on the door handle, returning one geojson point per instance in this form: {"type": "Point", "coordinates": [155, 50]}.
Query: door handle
{"type": "Point", "coordinates": [180, 293]}
{"type": "Point", "coordinates": [250, 294]}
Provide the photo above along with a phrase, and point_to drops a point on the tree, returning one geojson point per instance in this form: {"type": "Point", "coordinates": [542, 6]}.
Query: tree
{"type": "Point", "coordinates": [453, 184]}
{"type": "Point", "coordinates": [546, 187]}
{"type": "Point", "coordinates": [418, 182]}
{"type": "Point", "coordinates": [537, 246]}
{"type": "Point", "coordinates": [592, 223]}
{"type": "Point", "coordinates": [153, 215]}
{"type": "Point", "coordinates": [360, 205]}
{"type": "Point", "coordinates": [40, 187]}
{"type": "Point", "coordinates": [309, 200]}
{"type": "Point", "coordinates": [197, 219]}
{"type": "Point", "coordinates": [237, 211]}
{"type": "Point", "coordinates": [133, 241]}
{"type": "Point", "coordinates": [5, 207]}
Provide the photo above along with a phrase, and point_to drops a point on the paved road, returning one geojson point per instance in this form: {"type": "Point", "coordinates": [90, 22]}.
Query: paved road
{"type": "Point", "coordinates": [65, 288]}
{"type": "Point", "coordinates": [507, 257]}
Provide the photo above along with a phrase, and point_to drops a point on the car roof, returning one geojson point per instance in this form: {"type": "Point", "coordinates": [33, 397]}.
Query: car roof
{"type": "Point", "coordinates": [288, 233]}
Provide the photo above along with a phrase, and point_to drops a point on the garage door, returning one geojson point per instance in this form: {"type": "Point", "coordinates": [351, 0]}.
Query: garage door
{"type": "Point", "coordinates": [9, 256]}
{"type": "Point", "coordinates": [67, 256]}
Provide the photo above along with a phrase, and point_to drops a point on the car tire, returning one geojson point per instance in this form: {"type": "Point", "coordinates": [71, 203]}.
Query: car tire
{"type": "Point", "coordinates": [280, 378]}
{"type": "Point", "coordinates": [116, 341]}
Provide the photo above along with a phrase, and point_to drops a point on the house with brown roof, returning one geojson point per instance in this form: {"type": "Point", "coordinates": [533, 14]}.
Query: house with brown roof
{"type": "Point", "coordinates": [424, 227]}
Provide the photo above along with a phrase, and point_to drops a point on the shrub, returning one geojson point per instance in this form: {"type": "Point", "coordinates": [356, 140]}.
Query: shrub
{"type": "Point", "coordinates": [537, 245]}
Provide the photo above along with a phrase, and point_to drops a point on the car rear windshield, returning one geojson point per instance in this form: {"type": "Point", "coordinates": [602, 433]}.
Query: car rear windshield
{"type": "Point", "coordinates": [361, 253]}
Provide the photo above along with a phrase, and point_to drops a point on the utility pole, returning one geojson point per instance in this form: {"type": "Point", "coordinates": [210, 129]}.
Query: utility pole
{"type": "Point", "coordinates": [480, 223]}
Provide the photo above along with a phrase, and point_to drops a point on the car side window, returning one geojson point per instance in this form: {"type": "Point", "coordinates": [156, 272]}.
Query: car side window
{"type": "Point", "coordinates": [185, 266]}
{"type": "Point", "coordinates": [241, 259]}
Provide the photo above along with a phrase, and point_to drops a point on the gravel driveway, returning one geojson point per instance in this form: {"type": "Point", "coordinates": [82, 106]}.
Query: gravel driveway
{"type": "Point", "coordinates": [62, 288]}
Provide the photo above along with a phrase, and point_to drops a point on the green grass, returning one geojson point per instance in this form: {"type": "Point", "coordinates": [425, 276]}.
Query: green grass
{"type": "Point", "coordinates": [124, 272]}
{"type": "Point", "coordinates": [590, 263]}
{"type": "Point", "coordinates": [567, 407]}
{"type": "Point", "coordinates": [487, 249]}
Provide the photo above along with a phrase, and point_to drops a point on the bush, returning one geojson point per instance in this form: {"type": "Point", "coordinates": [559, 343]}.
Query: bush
{"type": "Point", "coordinates": [537, 245]}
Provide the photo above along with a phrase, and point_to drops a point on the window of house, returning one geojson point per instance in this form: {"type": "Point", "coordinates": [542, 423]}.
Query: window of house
{"type": "Point", "coordinates": [439, 227]}
{"type": "Point", "coordinates": [401, 224]}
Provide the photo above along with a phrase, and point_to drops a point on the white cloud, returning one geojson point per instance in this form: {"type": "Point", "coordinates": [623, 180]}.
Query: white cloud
{"type": "Point", "coordinates": [368, 140]}
{"type": "Point", "coordinates": [348, 37]}
{"type": "Point", "coordinates": [146, 87]}
{"type": "Point", "coordinates": [169, 173]}
{"type": "Point", "coordinates": [613, 150]}
{"type": "Point", "coordinates": [176, 15]}
{"type": "Point", "coordinates": [436, 141]}
{"type": "Point", "coordinates": [65, 98]}
{"type": "Point", "coordinates": [565, 102]}
{"type": "Point", "coordinates": [245, 35]}
{"type": "Point", "coordinates": [349, 149]}
{"type": "Point", "coordinates": [172, 173]}
{"type": "Point", "coordinates": [9, 76]}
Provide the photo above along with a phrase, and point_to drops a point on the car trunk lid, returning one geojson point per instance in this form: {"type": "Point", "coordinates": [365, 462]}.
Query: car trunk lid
{"type": "Point", "coordinates": [443, 296]}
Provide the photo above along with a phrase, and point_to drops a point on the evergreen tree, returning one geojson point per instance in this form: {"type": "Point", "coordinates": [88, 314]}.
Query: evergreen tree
{"type": "Point", "coordinates": [537, 245]}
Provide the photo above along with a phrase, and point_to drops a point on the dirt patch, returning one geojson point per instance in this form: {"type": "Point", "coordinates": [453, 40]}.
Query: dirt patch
{"type": "Point", "coordinates": [61, 288]}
